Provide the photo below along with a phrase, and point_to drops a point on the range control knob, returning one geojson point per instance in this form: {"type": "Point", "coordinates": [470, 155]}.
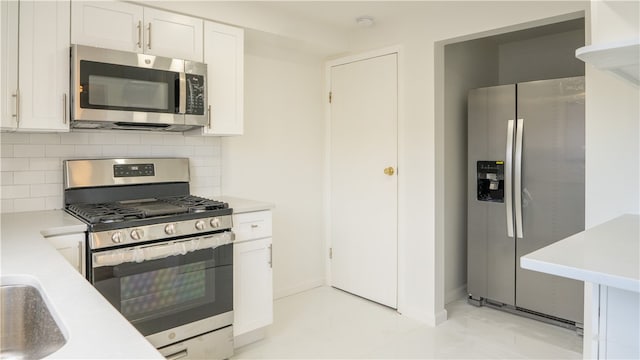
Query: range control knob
{"type": "Point", "coordinates": [200, 225]}
{"type": "Point", "coordinates": [215, 223]}
{"type": "Point", "coordinates": [137, 234]}
{"type": "Point", "coordinates": [170, 229]}
{"type": "Point", "coordinates": [116, 237]}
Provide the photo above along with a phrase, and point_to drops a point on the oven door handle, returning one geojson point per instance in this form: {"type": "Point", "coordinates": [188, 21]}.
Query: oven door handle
{"type": "Point", "coordinates": [160, 251]}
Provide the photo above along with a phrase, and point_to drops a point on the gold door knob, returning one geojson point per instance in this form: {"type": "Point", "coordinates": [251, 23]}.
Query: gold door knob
{"type": "Point", "coordinates": [389, 171]}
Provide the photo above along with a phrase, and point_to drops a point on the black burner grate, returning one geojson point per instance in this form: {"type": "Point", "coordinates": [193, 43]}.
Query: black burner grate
{"type": "Point", "coordinates": [118, 212]}
{"type": "Point", "coordinates": [196, 204]}
{"type": "Point", "coordinates": [104, 213]}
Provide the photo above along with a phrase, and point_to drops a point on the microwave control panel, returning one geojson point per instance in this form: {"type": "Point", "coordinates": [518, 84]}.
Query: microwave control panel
{"type": "Point", "coordinates": [195, 94]}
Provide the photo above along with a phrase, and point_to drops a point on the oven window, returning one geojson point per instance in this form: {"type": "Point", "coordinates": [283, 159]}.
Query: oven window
{"type": "Point", "coordinates": [161, 294]}
{"type": "Point", "coordinates": [156, 291]}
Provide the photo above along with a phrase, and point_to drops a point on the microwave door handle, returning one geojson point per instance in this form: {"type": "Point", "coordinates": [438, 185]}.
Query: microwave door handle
{"type": "Point", "coordinates": [182, 105]}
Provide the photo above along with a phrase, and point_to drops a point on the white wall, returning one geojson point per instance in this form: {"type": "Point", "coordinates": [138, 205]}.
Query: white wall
{"type": "Point", "coordinates": [425, 24]}
{"type": "Point", "coordinates": [612, 121]}
{"type": "Point", "coordinates": [31, 164]}
{"type": "Point", "coordinates": [280, 156]}
{"type": "Point", "coordinates": [468, 65]}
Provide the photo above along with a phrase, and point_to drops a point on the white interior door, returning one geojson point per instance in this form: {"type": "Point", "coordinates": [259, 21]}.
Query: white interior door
{"type": "Point", "coordinates": [363, 197]}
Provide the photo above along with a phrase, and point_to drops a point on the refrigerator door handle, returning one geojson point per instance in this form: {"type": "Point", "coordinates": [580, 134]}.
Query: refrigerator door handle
{"type": "Point", "coordinates": [517, 183]}
{"type": "Point", "coordinates": [508, 171]}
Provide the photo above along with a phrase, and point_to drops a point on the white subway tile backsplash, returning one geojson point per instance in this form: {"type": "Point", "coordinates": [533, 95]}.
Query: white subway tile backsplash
{"type": "Point", "coordinates": [63, 151]}
{"type": "Point", "coordinates": [151, 139]}
{"type": "Point", "coordinates": [74, 138]}
{"type": "Point", "coordinates": [29, 204]}
{"type": "Point", "coordinates": [14, 164]}
{"type": "Point", "coordinates": [14, 138]}
{"type": "Point", "coordinates": [88, 151]}
{"type": "Point", "coordinates": [6, 150]}
{"type": "Point", "coordinates": [14, 191]}
{"type": "Point", "coordinates": [44, 139]}
{"type": "Point", "coordinates": [29, 177]}
{"type": "Point", "coordinates": [31, 164]}
{"type": "Point", "coordinates": [53, 177]}
{"type": "Point", "coordinates": [6, 205]}
{"type": "Point", "coordinates": [139, 150]}
{"type": "Point", "coordinates": [100, 138]}
{"type": "Point", "coordinates": [6, 177]}
{"type": "Point", "coordinates": [53, 202]}
{"type": "Point", "coordinates": [114, 150]}
{"type": "Point", "coordinates": [27, 151]}
{"type": "Point", "coordinates": [42, 190]}
{"type": "Point", "coordinates": [128, 139]}
{"type": "Point", "coordinates": [194, 140]}
{"type": "Point", "coordinates": [45, 164]}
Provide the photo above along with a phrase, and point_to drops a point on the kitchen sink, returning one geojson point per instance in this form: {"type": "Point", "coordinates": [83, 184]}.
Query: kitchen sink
{"type": "Point", "coordinates": [27, 327]}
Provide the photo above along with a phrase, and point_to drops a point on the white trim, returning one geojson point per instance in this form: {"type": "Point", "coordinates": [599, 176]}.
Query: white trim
{"type": "Point", "coordinates": [398, 50]}
{"type": "Point", "coordinates": [456, 294]}
{"type": "Point", "coordinates": [431, 319]}
{"type": "Point", "coordinates": [298, 288]}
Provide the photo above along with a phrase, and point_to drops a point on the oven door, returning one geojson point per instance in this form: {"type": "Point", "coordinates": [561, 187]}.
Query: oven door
{"type": "Point", "coordinates": [166, 285]}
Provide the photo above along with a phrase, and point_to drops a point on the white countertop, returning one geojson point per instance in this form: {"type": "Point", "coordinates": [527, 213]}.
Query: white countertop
{"type": "Point", "coordinates": [93, 328]}
{"type": "Point", "coordinates": [607, 254]}
{"type": "Point", "coordinates": [245, 205]}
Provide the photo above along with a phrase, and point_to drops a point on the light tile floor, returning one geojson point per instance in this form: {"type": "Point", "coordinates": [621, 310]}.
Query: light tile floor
{"type": "Point", "coordinates": [325, 323]}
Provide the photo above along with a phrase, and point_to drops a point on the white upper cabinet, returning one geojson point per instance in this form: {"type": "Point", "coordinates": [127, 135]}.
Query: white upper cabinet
{"type": "Point", "coordinates": [107, 24]}
{"type": "Point", "coordinates": [172, 35]}
{"type": "Point", "coordinates": [224, 56]}
{"type": "Point", "coordinates": [128, 27]}
{"type": "Point", "coordinates": [37, 98]}
{"type": "Point", "coordinates": [8, 64]}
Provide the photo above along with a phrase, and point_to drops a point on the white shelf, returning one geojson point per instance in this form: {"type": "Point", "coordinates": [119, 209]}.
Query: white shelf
{"type": "Point", "coordinates": [623, 59]}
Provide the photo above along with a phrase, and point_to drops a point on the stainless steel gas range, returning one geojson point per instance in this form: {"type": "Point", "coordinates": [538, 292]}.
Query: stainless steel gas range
{"type": "Point", "coordinates": [162, 257]}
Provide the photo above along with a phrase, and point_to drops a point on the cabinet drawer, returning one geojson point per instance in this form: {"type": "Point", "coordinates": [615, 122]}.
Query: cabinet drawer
{"type": "Point", "coordinates": [252, 225]}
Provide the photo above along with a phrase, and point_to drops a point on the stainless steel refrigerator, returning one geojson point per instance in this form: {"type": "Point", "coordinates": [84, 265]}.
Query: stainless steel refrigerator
{"type": "Point", "coordinates": [525, 191]}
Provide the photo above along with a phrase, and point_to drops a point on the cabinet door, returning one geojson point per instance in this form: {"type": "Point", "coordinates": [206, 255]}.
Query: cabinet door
{"type": "Point", "coordinates": [71, 247]}
{"type": "Point", "coordinates": [107, 24]}
{"type": "Point", "coordinates": [224, 56]}
{"type": "Point", "coordinates": [44, 65]}
{"type": "Point", "coordinates": [252, 285]}
{"type": "Point", "coordinates": [8, 63]}
{"type": "Point", "coordinates": [172, 35]}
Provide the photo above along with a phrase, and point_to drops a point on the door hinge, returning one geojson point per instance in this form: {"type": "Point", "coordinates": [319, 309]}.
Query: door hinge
{"type": "Point", "coordinates": [330, 96]}
{"type": "Point", "coordinates": [330, 253]}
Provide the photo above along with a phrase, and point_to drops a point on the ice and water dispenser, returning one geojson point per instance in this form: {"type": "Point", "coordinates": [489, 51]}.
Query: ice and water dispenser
{"type": "Point", "coordinates": [490, 177]}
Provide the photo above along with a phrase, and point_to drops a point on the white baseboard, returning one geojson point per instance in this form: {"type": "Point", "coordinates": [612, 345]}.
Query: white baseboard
{"type": "Point", "coordinates": [304, 286]}
{"type": "Point", "coordinates": [431, 319]}
{"type": "Point", "coordinates": [456, 294]}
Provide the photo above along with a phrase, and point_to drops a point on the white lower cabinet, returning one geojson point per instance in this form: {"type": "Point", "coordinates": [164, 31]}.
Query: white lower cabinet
{"type": "Point", "coordinates": [72, 247]}
{"type": "Point", "coordinates": [253, 275]}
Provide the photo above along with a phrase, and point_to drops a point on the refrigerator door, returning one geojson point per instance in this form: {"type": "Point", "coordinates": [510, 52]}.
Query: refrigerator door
{"type": "Point", "coordinates": [552, 113]}
{"type": "Point", "coordinates": [490, 251]}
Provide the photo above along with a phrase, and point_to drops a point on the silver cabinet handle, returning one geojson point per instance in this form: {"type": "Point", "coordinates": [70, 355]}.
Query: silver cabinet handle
{"type": "Point", "coordinates": [149, 37]}
{"type": "Point", "coordinates": [80, 257]}
{"type": "Point", "coordinates": [139, 43]}
{"type": "Point", "coordinates": [209, 115]}
{"type": "Point", "coordinates": [17, 112]}
{"type": "Point", "coordinates": [518, 178]}
{"type": "Point", "coordinates": [508, 194]}
{"type": "Point", "coordinates": [64, 108]}
{"type": "Point", "coordinates": [271, 255]}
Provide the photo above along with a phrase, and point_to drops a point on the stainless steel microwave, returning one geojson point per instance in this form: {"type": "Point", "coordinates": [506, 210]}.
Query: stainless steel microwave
{"type": "Point", "coordinates": [123, 90]}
